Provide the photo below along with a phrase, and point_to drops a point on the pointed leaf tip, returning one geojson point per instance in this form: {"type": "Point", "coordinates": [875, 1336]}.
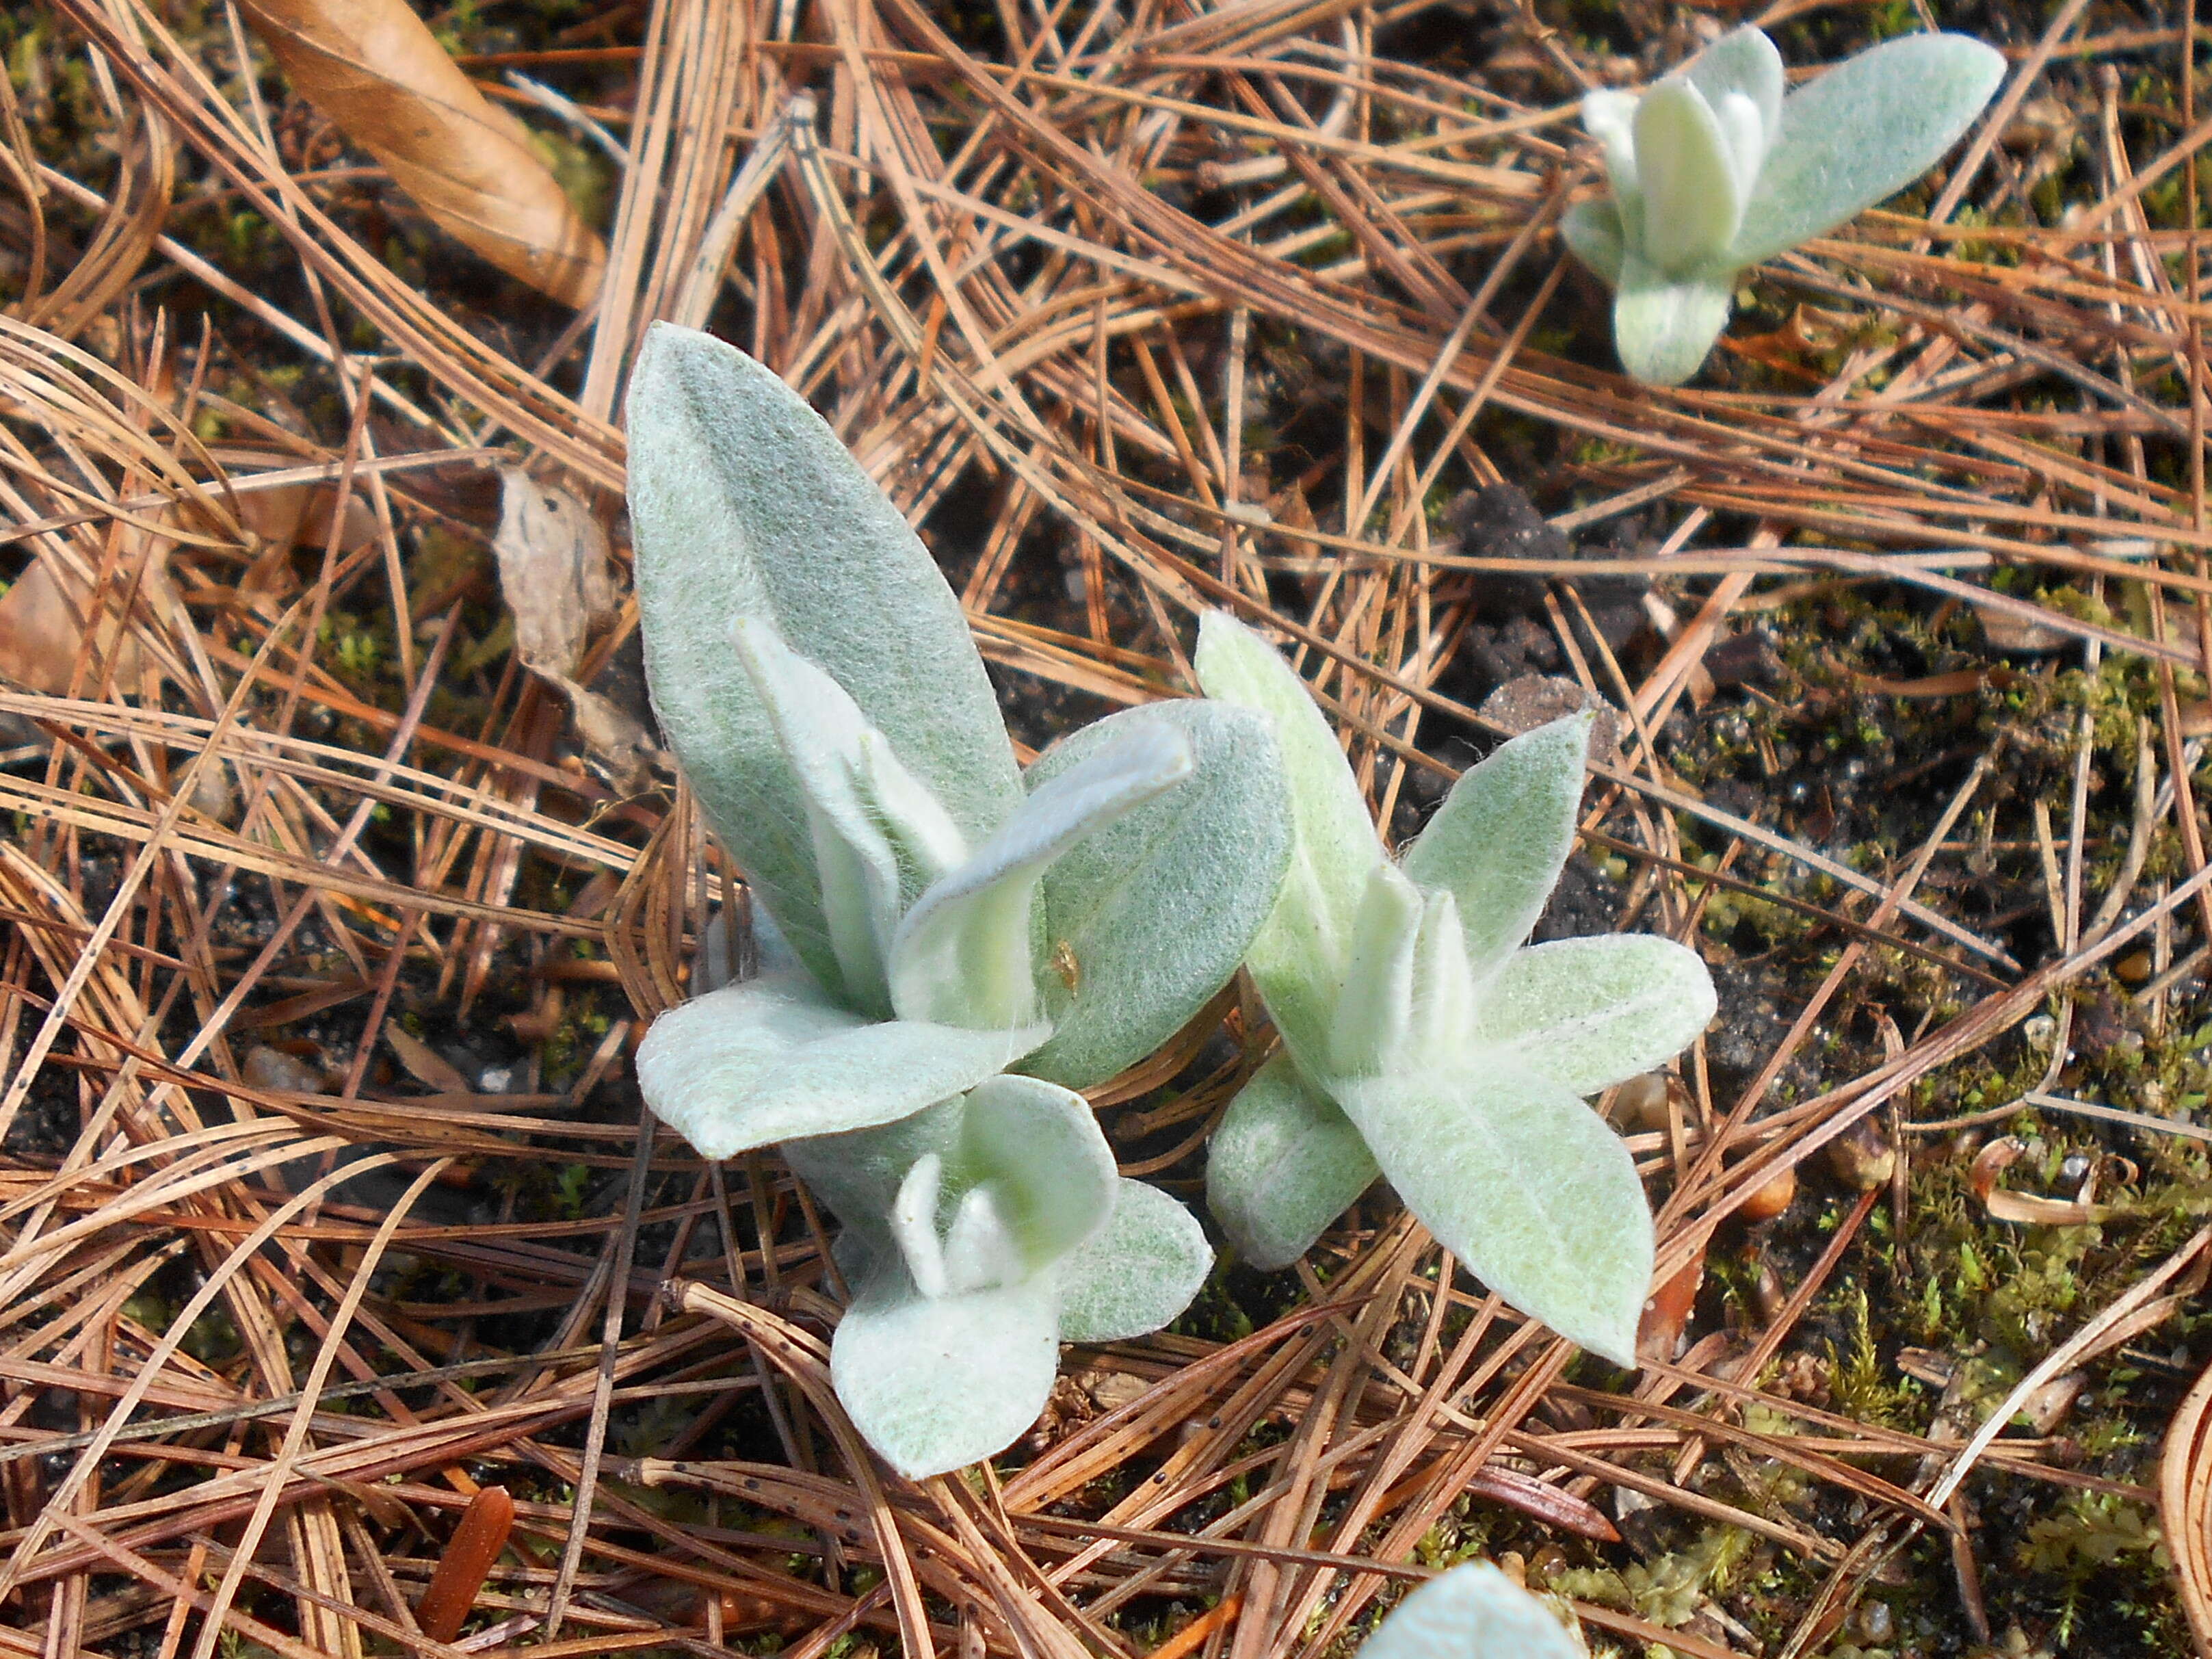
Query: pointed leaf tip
{"type": "Point", "coordinates": [1503, 835]}
{"type": "Point", "coordinates": [1591, 1013]}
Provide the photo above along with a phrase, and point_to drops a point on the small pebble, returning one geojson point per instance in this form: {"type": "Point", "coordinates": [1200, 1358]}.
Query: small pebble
{"type": "Point", "coordinates": [1767, 1293]}
{"type": "Point", "coordinates": [1641, 1103]}
{"type": "Point", "coordinates": [1874, 1622]}
{"type": "Point", "coordinates": [1770, 1200]}
{"type": "Point", "coordinates": [273, 1068]}
{"type": "Point", "coordinates": [1862, 1157]}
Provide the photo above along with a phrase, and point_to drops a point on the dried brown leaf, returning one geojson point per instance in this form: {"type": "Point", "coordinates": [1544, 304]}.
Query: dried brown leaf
{"type": "Point", "coordinates": [425, 1064]}
{"type": "Point", "coordinates": [42, 621]}
{"type": "Point", "coordinates": [553, 570]}
{"type": "Point", "coordinates": [621, 748]}
{"type": "Point", "coordinates": [374, 69]}
{"type": "Point", "coordinates": [295, 516]}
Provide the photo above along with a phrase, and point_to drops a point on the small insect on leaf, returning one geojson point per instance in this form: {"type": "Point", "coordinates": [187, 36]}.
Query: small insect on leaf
{"type": "Point", "coordinates": [1065, 964]}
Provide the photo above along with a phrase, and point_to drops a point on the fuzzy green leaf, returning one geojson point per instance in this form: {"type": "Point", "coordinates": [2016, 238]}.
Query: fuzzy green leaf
{"type": "Point", "coordinates": [1040, 1148]}
{"type": "Point", "coordinates": [1593, 230]}
{"type": "Point", "coordinates": [772, 1059]}
{"type": "Point", "coordinates": [1609, 117]}
{"type": "Point", "coordinates": [1137, 1272]}
{"type": "Point", "coordinates": [1473, 1612]}
{"type": "Point", "coordinates": [744, 503]}
{"type": "Point", "coordinates": [1861, 132]}
{"type": "Point", "coordinates": [1502, 837]}
{"type": "Point", "coordinates": [1149, 916]}
{"type": "Point", "coordinates": [879, 836]}
{"type": "Point", "coordinates": [1744, 63]}
{"type": "Point", "coordinates": [1588, 1012]}
{"type": "Point", "coordinates": [1299, 958]}
{"type": "Point", "coordinates": [1284, 1164]}
{"type": "Point", "coordinates": [1518, 1178]}
{"type": "Point", "coordinates": [1663, 328]}
{"type": "Point", "coordinates": [965, 955]}
{"type": "Point", "coordinates": [934, 1383]}
{"type": "Point", "coordinates": [1693, 189]}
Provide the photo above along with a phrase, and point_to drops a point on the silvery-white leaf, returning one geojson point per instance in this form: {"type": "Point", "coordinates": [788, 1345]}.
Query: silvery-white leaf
{"type": "Point", "coordinates": [913, 1223]}
{"type": "Point", "coordinates": [1299, 958]}
{"type": "Point", "coordinates": [1692, 195]}
{"type": "Point", "coordinates": [1743, 62]}
{"type": "Point", "coordinates": [1473, 1612]}
{"type": "Point", "coordinates": [1503, 835]}
{"type": "Point", "coordinates": [743, 502]}
{"type": "Point", "coordinates": [1861, 132]}
{"type": "Point", "coordinates": [935, 1383]}
{"type": "Point", "coordinates": [1284, 1164]}
{"type": "Point", "coordinates": [1524, 1184]}
{"type": "Point", "coordinates": [1609, 117]}
{"type": "Point", "coordinates": [1745, 136]}
{"type": "Point", "coordinates": [772, 1059]}
{"type": "Point", "coordinates": [966, 953]}
{"type": "Point", "coordinates": [1037, 1146]}
{"type": "Point", "coordinates": [879, 838]}
{"type": "Point", "coordinates": [981, 1249]}
{"type": "Point", "coordinates": [859, 1173]}
{"type": "Point", "coordinates": [1138, 1273]}
{"type": "Point", "coordinates": [1593, 230]}
{"type": "Point", "coordinates": [1374, 1008]}
{"type": "Point", "coordinates": [1441, 1018]}
{"type": "Point", "coordinates": [1663, 328]}
{"type": "Point", "coordinates": [1147, 918]}
{"type": "Point", "coordinates": [1588, 1013]}
{"type": "Point", "coordinates": [772, 952]}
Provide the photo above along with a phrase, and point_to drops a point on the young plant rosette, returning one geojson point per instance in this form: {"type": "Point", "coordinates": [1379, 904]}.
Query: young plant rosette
{"type": "Point", "coordinates": [979, 1235]}
{"type": "Point", "coordinates": [1422, 1043]}
{"type": "Point", "coordinates": [930, 918]}
{"type": "Point", "coordinates": [1713, 170]}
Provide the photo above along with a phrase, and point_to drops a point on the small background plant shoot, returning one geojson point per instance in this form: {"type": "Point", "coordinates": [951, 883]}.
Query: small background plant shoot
{"type": "Point", "coordinates": [1714, 170]}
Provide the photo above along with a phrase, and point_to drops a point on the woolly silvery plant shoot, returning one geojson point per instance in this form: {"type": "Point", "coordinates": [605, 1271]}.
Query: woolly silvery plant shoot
{"type": "Point", "coordinates": [1713, 170]}
{"type": "Point", "coordinates": [949, 918]}
{"type": "Point", "coordinates": [979, 1235]}
{"type": "Point", "coordinates": [928, 916]}
{"type": "Point", "coordinates": [1473, 1612]}
{"type": "Point", "coordinates": [1420, 1041]}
